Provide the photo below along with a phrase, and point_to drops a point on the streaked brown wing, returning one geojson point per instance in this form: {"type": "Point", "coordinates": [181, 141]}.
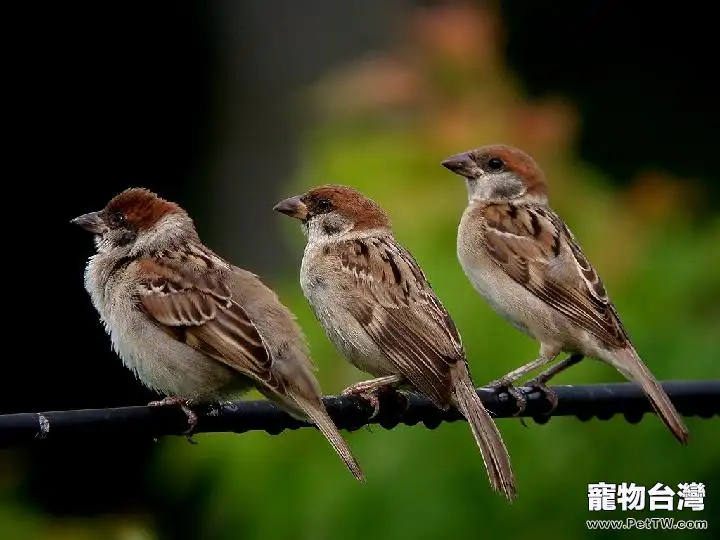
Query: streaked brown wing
{"type": "Point", "coordinates": [401, 314]}
{"type": "Point", "coordinates": [529, 242]}
{"type": "Point", "coordinates": [190, 299]}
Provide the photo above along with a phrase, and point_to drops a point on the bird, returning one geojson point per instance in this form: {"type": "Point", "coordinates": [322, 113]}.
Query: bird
{"type": "Point", "coordinates": [525, 262]}
{"type": "Point", "coordinates": [190, 325]}
{"type": "Point", "coordinates": [379, 310]}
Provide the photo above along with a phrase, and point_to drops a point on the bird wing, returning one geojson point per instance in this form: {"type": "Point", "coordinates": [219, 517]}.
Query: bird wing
{"type": "Point", "coordinates": [536, 249]}
{"type": "Point", "coordinates": [399, 311]}
{"type": "Point", "coordinates": [187, 295]}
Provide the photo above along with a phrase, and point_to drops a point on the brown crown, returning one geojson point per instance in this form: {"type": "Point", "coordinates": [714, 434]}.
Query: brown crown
{"type": "Point", "coordinates": [141, 207]}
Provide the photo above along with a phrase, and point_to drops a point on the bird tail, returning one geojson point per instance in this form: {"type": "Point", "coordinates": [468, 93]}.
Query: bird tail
{"type": "Point", "coordinates": [318, 414]}
{"type": "Point", "coordinates": [627, 362]}
{"type": "Point", "coordinates": [488, 438]}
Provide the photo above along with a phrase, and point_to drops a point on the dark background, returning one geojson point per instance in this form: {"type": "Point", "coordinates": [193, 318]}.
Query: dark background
{"type": "Point", "coordinates": [177, 98]}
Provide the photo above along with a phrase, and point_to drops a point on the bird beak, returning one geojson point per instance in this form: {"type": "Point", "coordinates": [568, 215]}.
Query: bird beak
{"type": "Point", "coordinates": [91, 222]}
{"type": "Point", "coordinates": [461, 164]}
{"type": "Point", "coordinates": [293, 207]}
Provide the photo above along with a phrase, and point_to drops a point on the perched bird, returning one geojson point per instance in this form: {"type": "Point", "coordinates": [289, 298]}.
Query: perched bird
{"type": "Point", "coordinates": [190, 325]}
{"type": "Point", "coordinates": [524, 261]}
{"type": "Point", "coordinates": [379, 310]}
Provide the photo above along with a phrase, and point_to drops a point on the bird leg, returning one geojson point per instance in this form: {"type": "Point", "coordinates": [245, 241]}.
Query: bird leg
{"type": "Point", "coordinates": [368, 390]}
{"type": "Point", "coordinates": [540, 381]}
{"type": "Point", "coordinates": [184, 404]}
{"type": "Point", "coordinates": [506, 383]}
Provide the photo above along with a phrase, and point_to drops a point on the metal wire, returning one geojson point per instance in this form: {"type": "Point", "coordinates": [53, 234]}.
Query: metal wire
{"type": "Point", "coordinates": [602, 401]}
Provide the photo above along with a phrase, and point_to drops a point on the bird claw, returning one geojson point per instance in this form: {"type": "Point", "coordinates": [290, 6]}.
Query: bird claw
{"type": "Point", "coordinates": [502, 385]}
{"type": "Point", "coordinates": [363, 394]}
{"type": "Point", "coordinates": [184, 405]}
{"type": "Point", "coordinates": [549, 394]}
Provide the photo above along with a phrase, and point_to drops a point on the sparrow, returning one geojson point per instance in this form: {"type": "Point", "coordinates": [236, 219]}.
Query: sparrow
{"type": "Point", "coordinates": [378, 309]}
{"type": "Point", "coordinates": [523, 260]}
{"type": "Point", "coordinates": [189, 324]}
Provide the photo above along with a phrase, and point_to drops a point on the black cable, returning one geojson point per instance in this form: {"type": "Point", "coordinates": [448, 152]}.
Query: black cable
{"type": "Point", "coordinates": [691, 398]}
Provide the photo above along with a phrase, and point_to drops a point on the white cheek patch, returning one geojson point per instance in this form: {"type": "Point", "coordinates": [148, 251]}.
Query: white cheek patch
{"type": "Point", "coordinates": [328, 227]}
{"type": "Point", "coordinates": [499, 186]}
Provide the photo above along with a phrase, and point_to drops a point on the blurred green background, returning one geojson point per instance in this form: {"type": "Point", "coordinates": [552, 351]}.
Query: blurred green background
{"type": "Point", "coordinates": [382, 122]}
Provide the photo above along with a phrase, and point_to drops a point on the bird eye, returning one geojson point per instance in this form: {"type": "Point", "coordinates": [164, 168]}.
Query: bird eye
{"type": "Point", "coordinates": [324, 205]}
{"type": "Point", "coordinates": [116, 219]}
{"type": "Point", "coordinates": [496, 163]}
